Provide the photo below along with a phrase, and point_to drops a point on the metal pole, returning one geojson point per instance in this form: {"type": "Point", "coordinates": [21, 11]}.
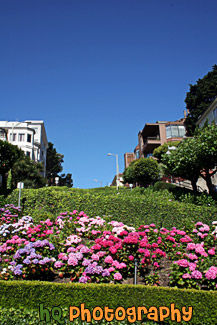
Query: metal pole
{"type": "Point", "coordinates": [117, 171]}
{"type": "Point", "coordinates": [19, 196]}
{"type": "Point", "coordinates": [135, 271]}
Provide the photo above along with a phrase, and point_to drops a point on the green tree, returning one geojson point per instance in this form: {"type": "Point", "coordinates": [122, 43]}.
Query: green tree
{"type": "Point", "coordinates": [199, 98]}
{"type": "Point", "coordinates": [66, 180]}
{"type": "Point", "coordinates": [195, 157]}
{"type": "Point", "coordinates": [9, 154]}
{"type": "Point", "coordinates": [54, 162]}
{"type": "Point", "coordinates": [146, 171]}
{"type": "Point", "coordinates": [161, 150]}
{"type": "Point", "coordinates": [128, 174]}
{"type": "Point", "coordinates": [206, 140]}
{"type": "Point", "coordinates": [29, 172]}
{"type": "Point", "coordinates": [143, 171]}
{"type": "Point", "coordinates": [182, 162]}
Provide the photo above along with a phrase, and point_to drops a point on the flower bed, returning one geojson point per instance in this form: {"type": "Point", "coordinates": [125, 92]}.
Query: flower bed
{"type": "Point", "coordinates": [77, 248]}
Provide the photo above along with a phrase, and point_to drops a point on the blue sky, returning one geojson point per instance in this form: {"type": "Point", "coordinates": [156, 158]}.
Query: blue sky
{"type": "Point", "coordinates": [96, 71]}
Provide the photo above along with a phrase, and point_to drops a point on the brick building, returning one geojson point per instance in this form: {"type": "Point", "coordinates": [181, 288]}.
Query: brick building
{"type": "Point", "coordinates": [154, 135]}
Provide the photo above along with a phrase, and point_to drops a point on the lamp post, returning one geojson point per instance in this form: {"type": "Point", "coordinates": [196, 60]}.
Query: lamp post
{"type": "Point", "coordinates": [169, 153]}
{"type": "Point", "coordinates": [20, 186]}
{"type": "Point", "coordinates": [135, 271]}
{"type": "Point", "coordinates": [96, 180]}
{"type": "Point", "coordinates": [117, 167]}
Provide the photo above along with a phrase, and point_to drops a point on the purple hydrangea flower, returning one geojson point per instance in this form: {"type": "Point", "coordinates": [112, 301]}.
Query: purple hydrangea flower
{"type": "Point", "coordinates": [26, 261]}
{"type": "Point", "coordinates": [89, 269]}
{"type": "Point", "coordinates": [41, 262]}
{"type": "Point", "coordinates": [86, 262]}
{"type": "Point", "coordinates": [46, 260]}
{"type": "Point", "coordinates": [105, 272]}
{"type": "Point", "coordinates": [98, 269]}
{"type": "Point", "coordinates": [33, 255]}
{"type": "Point", "coordinates": [35, 261]}
{"type": "Point", "coordinates": [83, 279]}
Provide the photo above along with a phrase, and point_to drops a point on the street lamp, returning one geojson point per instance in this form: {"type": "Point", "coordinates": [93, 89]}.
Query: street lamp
{"type": "Point", "coordinates": [96, 180]}
{"type": "Point", "coordinates": [117, 167]}
{"type": "Point", "coordinates": [169, 153]}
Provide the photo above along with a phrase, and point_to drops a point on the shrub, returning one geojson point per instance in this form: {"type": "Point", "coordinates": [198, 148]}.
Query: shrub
{"type": "Point", "coordinates": [20, 294]}
{"type": "Point", "coordinates": [124, 206]}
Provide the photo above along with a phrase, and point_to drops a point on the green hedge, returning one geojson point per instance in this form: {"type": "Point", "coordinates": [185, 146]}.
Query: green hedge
{"type": "Point", "coordinates": [22, 316]}
{"type": "Point", "coordinates": [20, 295]}
{"type": "Point", "coordinates": [129, 207]}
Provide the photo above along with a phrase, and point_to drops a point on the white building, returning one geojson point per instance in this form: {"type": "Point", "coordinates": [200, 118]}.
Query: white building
{"type": "Point", "coordinates": [30, 136]}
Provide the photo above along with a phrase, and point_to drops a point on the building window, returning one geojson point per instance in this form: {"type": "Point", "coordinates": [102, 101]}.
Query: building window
{"type": "Point", "coordinates": [21, 137]}
{"type": "Point", "coordinates": [175, 131]}
{"type": "Point", "coordinates": [3, 135]}
{"type": "Point", "coordinates": [28, 154]}
{"type": "Point", "coordinates": [13, 137]}
{"type": "Point", "coordinates": [29, 138]}
{"type": "Point", "coordinates": [137, 154]}
{"type": "Point", "coordinates": [147, 155]}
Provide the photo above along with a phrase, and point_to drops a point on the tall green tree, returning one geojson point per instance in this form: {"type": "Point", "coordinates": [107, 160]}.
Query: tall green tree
{"type": "Point", "coordinates": [54, 162]}
{"type": "Point", "coordinates": [199, 98]}
{"type": "Point", "coordinates": [161, 150]}
{"type": "Point", "coordinates": [66, 180]}
{"type": "Point", "coordinates": [29, 172]}
{"type": "Point", "coordinates": [9, 154]}
{"type": "Point", "coordinates": [195, 157]}
{"type": "Point", "coordinates": [182, 162]}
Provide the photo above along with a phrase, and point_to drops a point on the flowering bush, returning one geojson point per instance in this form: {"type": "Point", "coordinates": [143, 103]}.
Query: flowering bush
{"type": "Point", "coordinates": [9, 214]}
{"type": "Point", "coordinates": [83, 249]}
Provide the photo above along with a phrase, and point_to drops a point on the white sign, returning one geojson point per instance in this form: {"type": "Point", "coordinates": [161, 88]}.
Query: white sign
{"type": "Point", "coordinates": [20, 185]}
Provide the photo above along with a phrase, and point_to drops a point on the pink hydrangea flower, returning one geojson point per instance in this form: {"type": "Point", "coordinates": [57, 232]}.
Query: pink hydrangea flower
{"type": "Point", "coordinates": [199, 223]}
{"type": "Point", "coordinates": [113, 250]}
{"type": "Point", "coordinates": [211, 251]}
{"type": "Point", "coordinates": [58, 264]}
{"type": "Point", "coordinates": [183, 263]}
{"type": "Point", "coordinates": [191, 246]}
{"type": "Point", "coordinates": [117, 276]}
{"type": "Point", "coordinates": [156, 264]}
{"type": "Point", "coordinates": [196, 275]}
{"type": "Point", "coordinates": [72, 261]}
{"type": "Point", "coordinates": [108, 259]}
{"type": "Point", "coordinates": [186, 276]}
{"type": "Point", "coordinates": [95, 257]}
{"type": "Point", "coordinates": [192, 256]}
{"type": "Point", "coordinates": [192, 266]}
